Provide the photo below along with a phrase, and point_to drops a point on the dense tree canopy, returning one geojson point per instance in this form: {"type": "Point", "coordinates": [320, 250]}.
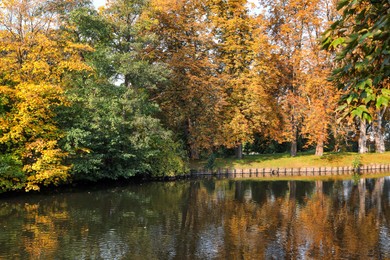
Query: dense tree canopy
{"type": "Point", "coordinates": [138, 86]}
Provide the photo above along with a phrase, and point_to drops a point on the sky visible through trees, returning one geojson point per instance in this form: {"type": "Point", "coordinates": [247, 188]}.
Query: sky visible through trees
{"type": "Point", "coordinates": [98, 3]}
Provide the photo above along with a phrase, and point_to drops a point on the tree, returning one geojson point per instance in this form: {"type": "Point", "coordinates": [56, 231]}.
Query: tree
{"type": "Point", "coordinates": [320, 97]}
{"type": "Point", "coordinates": [320, 102]}
{"type": "Point", "coordinates": [288, 21]}
{"type": "Point", "coordinates": [35, 57]}
{"type": "Point", "coordinates": [360, 39]}
{"type": "Point", "coordinates": [192, 98]}
{"type": "Point", "coordinates": [111, 128]}
{"type": "Point", "coordinates": [127, 42]}
{"type": "Point", "coordinates": [303, 96]}
{"type": "Point", "coordinates": [220, 72]}
{"type": "Point", "coordinates": [246, 68]}
{"type": "Point", "coordinates": [112, 133]}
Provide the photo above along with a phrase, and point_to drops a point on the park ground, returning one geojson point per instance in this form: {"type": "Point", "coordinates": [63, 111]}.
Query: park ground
{"type": "Point", "coordinates": [284, 160]}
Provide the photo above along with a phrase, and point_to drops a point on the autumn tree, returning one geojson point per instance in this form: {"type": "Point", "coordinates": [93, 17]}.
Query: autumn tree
{"type": "Point", "coordinates": [191, 100]}
{"type": "Point", "coordinates": [35, 57]}
{"type": "Point", "coordinates": [306, 100]}
{"type": "Point", "coordinates": [287, 32]}
{"type": "Point", "coordinates": [220, 72]}
{"type": "Point", "coordinates": [245, 66]}
{"type": "Point", "coordinates": [320, 97]}
{"type": "Point", "coordinates": [360, 38]}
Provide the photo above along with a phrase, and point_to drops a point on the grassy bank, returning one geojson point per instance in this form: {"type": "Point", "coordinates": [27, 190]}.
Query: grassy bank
{"type": "Point", "coordinates": [302, 160]}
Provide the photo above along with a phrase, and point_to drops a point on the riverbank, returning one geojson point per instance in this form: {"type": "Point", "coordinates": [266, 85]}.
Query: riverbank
{"type": "Point", "coordinates": [302, 160]}
{"type": "Point", "coordinates": [305, 172]}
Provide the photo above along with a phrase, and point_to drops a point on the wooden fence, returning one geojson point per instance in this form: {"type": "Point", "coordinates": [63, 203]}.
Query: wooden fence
{"type": "Point", "coordinates": [287, 172]}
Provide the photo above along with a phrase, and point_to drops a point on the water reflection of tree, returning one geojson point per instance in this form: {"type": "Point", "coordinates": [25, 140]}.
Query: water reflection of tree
{"type": "Point", "coordinates": [350, 230]}
{"type": "Point", "coordinates": [203, 220]}
{"type": "Point", "coordinates": [36, 230]}
{"type": "Point", "coordinates": [324, 226]}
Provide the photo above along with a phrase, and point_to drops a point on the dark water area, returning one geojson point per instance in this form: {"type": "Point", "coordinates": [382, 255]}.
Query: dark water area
{"type": "Point", "coordinates": [203, 219]}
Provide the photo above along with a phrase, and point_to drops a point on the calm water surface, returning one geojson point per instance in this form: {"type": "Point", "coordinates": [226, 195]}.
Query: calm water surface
{"type": "Point", "coordinates": [203, 219]}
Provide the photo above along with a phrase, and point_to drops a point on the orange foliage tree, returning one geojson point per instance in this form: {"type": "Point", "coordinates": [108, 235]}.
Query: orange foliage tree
{"type": "Point", "coordinates": [306, 99]}
{"type": "Point", "coordinates": [192, 99]}
{"type": "Point", "coordinates": [218, 54]}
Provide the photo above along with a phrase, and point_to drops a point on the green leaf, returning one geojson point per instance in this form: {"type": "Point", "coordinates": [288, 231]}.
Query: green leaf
{"type": "Point", "coordinates": [365, 36]}
{"type": "Point", "coordinates": [359, 66]}
{"type": "Point", "coordinates": [336, 42]}
{"type": "Point", "coordinates": [362, 84]}
{"type": "Point", "coordinates": [367, 97]}
{"type": "Point", "coordinates": [367, 116]}
{"type": "Point", "coordinates": [349, 99]}
{"type": "Point", "coordinates": [359, 111]}
{"type": "Point", "coordinates": [342, 107]}
{"type": "Point", "coordinates": [382, 101]}
{"type": "Point", "coordinates": [386, 92]}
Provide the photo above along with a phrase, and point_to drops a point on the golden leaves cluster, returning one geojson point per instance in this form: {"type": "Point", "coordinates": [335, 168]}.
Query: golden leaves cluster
{"type": "Point", "coordinates": [35, 57]}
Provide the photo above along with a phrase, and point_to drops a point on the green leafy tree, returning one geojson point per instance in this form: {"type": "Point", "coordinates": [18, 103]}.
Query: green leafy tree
{"type": "Point", "coordinates": [112, 133]}
{"type": "Point", "coordinates": [360, 39]}
{"type": "Point", "coordinates": [111, 128]}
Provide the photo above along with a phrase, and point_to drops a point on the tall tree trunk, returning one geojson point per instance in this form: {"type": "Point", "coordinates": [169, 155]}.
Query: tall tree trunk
{"type": "Point", "coordinates": [294, 147]}
{"type": "Point", "coordinates": [363, 136]}
{"type": "Point", "coordinates": [294, 143]}
{"type": "Point", "coordinates": [194, 150]}
{"type": "Point", "coordinates": [238, 151]}
{"type": "Point", "coordinates": [378, 133]}
{"type": "Point", "coordinates": [320, 148]}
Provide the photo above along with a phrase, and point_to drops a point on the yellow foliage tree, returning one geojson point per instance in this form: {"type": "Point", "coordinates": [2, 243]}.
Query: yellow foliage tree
{"type": "Point", "coordinates": [35, 58]}
{"type": "Point", "coordinates": [246, 67]}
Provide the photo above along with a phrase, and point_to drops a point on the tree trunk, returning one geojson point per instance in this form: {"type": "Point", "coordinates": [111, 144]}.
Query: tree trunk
{"type": "Point", "coordinates": [238, 151]}
{"type": "Point", "coordinates": [378, 133]}
{"type": "Point", "coordinates": [319, 186]}
{"type": "Point", "coordinates": [363, 136]}
{"type": "Point", "coordinates": [320, 148]}
{"type": "Point", "coordinates": [294, 142]}
{"type": "Point", "coordinates": [194, 150]}
{"type": "Point", "coordinates": [127, 81]}
{"type": "Point", "coordinates": [294, 147]}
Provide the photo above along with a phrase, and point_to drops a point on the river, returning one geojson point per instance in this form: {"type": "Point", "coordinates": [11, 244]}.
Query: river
{"type": "Point", "coordinates": [202, 219]}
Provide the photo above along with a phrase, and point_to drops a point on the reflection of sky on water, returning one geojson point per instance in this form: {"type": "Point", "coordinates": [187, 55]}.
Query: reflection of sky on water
{"type": "Point", "coordinates": [275, 248]}
{"type": "Point", "coordinates": [347, 189]}
{"type": "Point", "coordinates": [210, 243]}
{"type": "Point", "coordinates": [112, 247]}
{"type": "Point", "coordinates": [384, 241]}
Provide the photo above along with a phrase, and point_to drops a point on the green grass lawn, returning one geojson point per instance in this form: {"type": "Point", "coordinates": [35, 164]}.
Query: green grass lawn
{"type": "Point", "coordinates": [302, 160]}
